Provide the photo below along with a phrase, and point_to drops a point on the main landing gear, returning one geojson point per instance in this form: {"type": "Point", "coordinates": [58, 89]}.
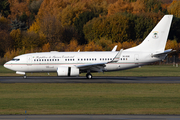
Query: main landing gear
{"type": "Point", "coordinates": [24, 76]}
{"type": "Point", "coordinates": [89, 76]}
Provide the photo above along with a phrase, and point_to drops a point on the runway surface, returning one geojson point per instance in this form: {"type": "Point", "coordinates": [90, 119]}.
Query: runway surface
{"type": "Point", "coordinates": [94, 80]}
{"type": "Point", "coordinates": [89, 117]}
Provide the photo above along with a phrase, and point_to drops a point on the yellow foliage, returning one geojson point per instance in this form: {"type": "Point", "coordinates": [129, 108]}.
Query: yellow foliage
{"type": "Point", "coordinates": [17, 7]}
{"type": "Point", "coordinates": [126, 44]}
{"type": "Point", "coordinates": [120, 6]}
{"type": "Point", "coordinates": [174, 8]}
{"type": "Point", "coordinates": [138, 6]}
{"type": "Point", "coordinates": [3, 20]}
{"type": "Point", "coordinates": [60, 46]}
{"type": "Point", "coordinates": [71, 12]}
{"type": "Point", "coordinates": [73, 46]}
{"type": "Point", "coordinates": [51, 7]}
{"type": "Point", "coordinates": [16, 36]}
{"type": "Point", "coordinates": [46, 47]}
{"type": "Point", "coordinates": [91, 46]}
{"type": "Point", "coordinates": [172, 44]}
{"type": "Point", "coordinates": [35, 27]}
{"type": "Point", "coordinates": [11, 54]}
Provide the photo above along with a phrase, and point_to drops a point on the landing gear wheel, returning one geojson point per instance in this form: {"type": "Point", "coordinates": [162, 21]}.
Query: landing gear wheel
{"type": "Point", "coordinates": [24, 76]}
{"type": "Point", "coordinates": [88, 76]}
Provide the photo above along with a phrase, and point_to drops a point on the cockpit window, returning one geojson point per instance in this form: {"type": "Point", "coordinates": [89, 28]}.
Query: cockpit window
{"type": "Point", "coordinates": [15, 59]}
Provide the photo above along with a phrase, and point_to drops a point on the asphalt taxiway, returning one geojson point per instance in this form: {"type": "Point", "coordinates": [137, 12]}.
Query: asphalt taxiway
{"type": "Point", "coordinates": [33, 79]}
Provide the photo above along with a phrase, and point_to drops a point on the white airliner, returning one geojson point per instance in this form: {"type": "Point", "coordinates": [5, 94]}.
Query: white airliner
{"type": "Point", "coordinates": [152, 49]}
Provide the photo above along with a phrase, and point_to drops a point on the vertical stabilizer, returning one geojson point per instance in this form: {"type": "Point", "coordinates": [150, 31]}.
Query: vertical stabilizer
{"type": "Point", "coordinates": [157, 38]}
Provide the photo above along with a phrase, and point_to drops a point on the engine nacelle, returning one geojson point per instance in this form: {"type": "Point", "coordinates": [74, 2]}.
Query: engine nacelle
{"type": "Point", "coordinates": [67, 71]}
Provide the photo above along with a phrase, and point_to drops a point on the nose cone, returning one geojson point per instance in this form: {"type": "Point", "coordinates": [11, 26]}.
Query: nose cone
{"type": "Point", "coordinates": [6, 65]}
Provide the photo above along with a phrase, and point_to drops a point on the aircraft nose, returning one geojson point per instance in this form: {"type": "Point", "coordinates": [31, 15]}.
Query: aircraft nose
{"type": "Point", "coordinates": [6, 65]}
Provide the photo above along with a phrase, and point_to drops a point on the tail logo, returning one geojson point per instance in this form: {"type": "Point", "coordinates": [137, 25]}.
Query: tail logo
{"type": "Point", "coordinates": [155, 35]}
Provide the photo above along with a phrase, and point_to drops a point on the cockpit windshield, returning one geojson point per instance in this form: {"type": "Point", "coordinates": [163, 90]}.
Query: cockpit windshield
{"type": "Point", "coordinates": [15, 59]}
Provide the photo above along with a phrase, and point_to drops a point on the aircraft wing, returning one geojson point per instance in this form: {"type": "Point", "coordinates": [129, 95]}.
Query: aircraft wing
{"type": "Point", "coordinates": [163, 53]}
{"type": "Point", "coordinates": [99, 67]}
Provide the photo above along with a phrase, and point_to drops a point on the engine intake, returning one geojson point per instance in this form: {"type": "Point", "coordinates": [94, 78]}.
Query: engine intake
{"type": "Point", "coordinates": [67, 71]}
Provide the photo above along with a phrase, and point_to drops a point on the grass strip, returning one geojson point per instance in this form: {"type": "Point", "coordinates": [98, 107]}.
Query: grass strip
{"type": "Point", "coordinates": [65, 98]}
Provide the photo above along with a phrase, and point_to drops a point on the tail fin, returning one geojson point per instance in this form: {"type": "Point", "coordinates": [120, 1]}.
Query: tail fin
{"type": "Point", "coordinates": [157, 38]}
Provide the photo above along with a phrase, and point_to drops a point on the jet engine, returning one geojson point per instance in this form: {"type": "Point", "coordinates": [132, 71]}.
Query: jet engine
{"type": "Point", "coordinates": [67, 71]}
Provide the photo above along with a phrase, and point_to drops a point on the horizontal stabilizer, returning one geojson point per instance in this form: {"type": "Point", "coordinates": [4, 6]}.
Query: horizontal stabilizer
{"type": "Point", "coordinates": [165, 52]}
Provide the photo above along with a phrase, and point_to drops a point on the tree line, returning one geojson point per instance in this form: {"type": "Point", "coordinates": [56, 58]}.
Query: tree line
{"type": "Point", "coordinates": [86, 25]}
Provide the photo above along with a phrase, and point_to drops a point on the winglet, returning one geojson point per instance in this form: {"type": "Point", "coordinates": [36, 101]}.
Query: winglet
{"type": "Point", "coordinates": [114, 49]}
{"type": "Point", "coordinates": [116, 58]}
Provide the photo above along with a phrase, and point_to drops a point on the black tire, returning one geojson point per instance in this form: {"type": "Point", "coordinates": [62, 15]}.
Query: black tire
{"type": "Point", "coordinates": [89, 76]}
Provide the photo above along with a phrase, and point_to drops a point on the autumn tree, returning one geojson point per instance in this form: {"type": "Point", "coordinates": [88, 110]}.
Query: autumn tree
{"type": "Point", "coordinates": [31, 40]}
{"type": "Point", "coordinates": [115, 27]}
{"type": "Point", "coordinates": [69, 14]}
{"type": "Point", "coordinates": [16, 35]}
{"type": "Point", "coordinates": [120, 6]}
{"type": "Point", "coordinates": [91, 46]}
{"type": "Point", "coordinates": [153, 5]}
{"type": "Point", "coordinates": [34, 6]}
{"type": "Point", "coordinates": [138, 7]}
{"type": "Point", "coordinates": [175, 30]}
{"type": "Point", "coordinates": [4, 8]}
{"type": "Point", "coordinates": [6, 43]}
{"type": "Point", "coordinates": [52, 29]}
{"type": "Point", "coordinates": [51, 7]}
{"type": "Point", "coordinates": [81, 21]}
{"type": "Point", "coordinates": [18, 7]}
{"type": "Point", "coordinates": [174, 8]}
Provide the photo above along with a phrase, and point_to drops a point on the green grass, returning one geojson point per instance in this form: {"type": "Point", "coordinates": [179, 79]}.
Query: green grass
{"type": "Point", "coordinates": [43, 98]}
{"type": "Point", "coordinates": [157, 70]}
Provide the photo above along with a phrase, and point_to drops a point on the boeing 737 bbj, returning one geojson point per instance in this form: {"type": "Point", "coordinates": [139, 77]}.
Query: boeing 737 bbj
{"type": "Point", "coordinates": [152, 49]}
